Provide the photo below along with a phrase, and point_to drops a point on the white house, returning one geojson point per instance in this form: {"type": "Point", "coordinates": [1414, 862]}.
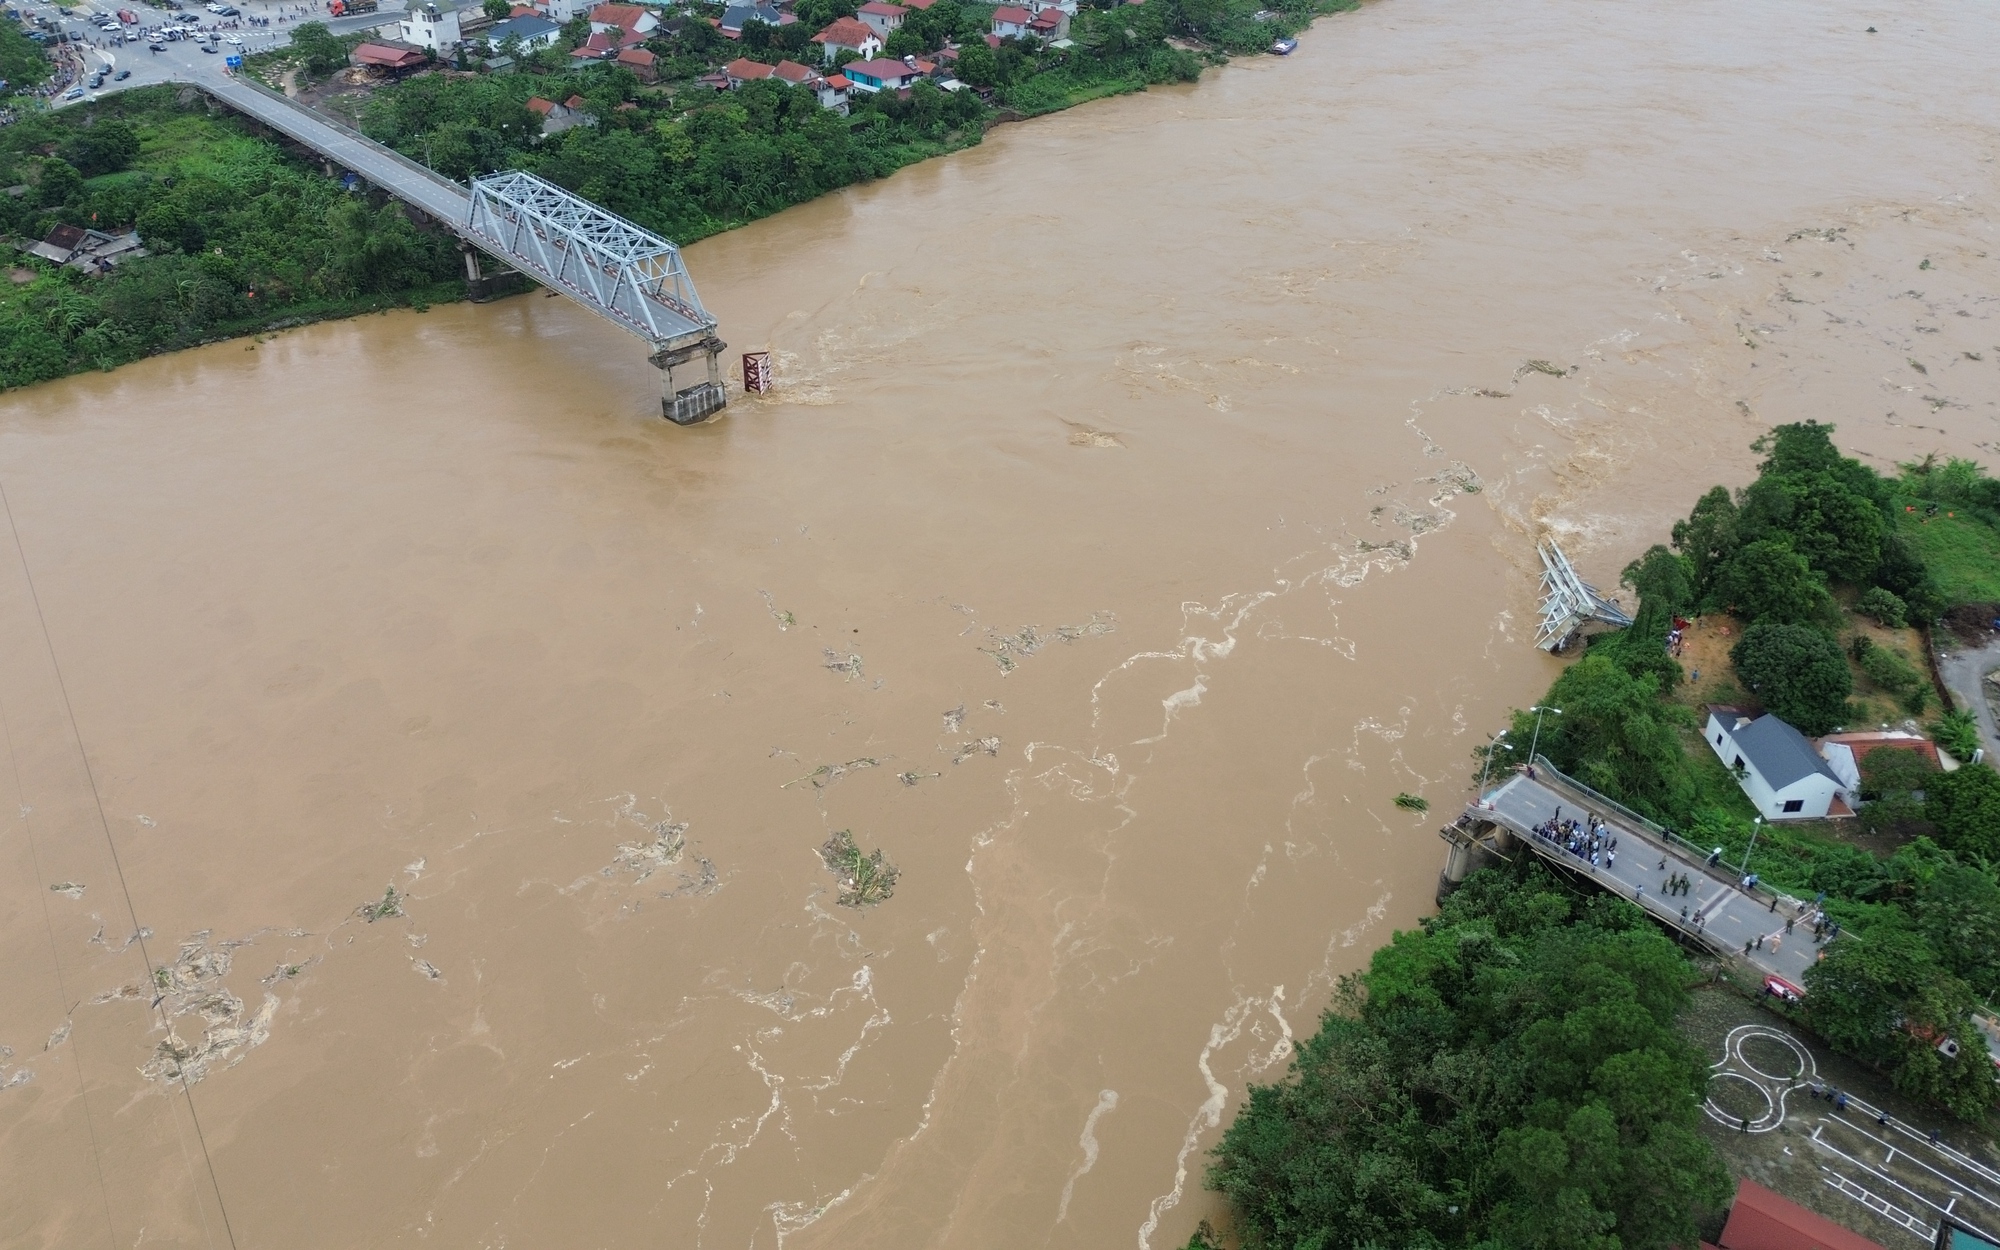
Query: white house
{"type": "Point", "coordinates": [533, 32]}
{"type": "Point", "coordinates": [431, 24]}
{"type": "Point", "coordinates": [1775, 764]}
{"type": "Point", "coordinates": [1010, 21]}
{"type": "Point", "coordinates": [882, 18]}
{"type": "Point", "coordinates": [848, 35]}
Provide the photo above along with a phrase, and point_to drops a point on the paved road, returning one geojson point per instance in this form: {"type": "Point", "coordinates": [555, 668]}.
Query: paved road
{"type": "Point", "coordinates": [1964, 671]}
{"type": "Point", "coordinates": [1731, 917]}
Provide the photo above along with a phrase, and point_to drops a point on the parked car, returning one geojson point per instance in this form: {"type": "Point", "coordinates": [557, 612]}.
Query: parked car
{"type": "Point", "coordinates": [74, 93]}
{"type": "Point", "coordinates": [208, 47]}
{"type": "Point", "coordinates": [121, 75]}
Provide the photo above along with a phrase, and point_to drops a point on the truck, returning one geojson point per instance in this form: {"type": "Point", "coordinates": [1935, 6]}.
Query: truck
{"type": "Point", "coordinates": [345, 8]}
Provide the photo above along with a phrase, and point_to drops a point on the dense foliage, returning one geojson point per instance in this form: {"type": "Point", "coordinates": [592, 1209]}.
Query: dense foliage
{"type": "Point", "coordinates": [1798, 673]}
{"type": "Point", "coordinates": [1509, 1075]}
{"type": "Point", "coordinates": [241, 235]}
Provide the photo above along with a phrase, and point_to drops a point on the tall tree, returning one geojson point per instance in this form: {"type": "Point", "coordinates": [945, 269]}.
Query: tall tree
{"type": "Point", "coordinates": [1798, 673]}
{"type": "Point", "coordinates": [1708, 537]}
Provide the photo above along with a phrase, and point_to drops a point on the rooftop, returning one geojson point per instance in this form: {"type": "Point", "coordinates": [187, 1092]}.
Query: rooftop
{"type": "Point", "coordinates": [847, 32]}
{"type": "Point", "coordinates": [881, 67]}
{"type": "Point", "coordinates": [1780, 754]}
{"type": "Point", "coordinates": [878, 9]}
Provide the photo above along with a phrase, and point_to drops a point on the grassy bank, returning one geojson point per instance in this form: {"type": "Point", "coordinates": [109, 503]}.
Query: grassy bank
{"type": "Point", "coordinates": [242, 236]}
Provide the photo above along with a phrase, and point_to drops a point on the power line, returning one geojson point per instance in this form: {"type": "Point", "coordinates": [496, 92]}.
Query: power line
{"type": "Point", "coordinates": [104, 822]}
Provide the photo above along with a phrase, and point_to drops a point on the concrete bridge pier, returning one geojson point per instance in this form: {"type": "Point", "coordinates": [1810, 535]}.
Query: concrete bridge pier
{"type": "Point", "coordinates": [481, 286]}
{"type": "Point", "coordinates": [687, 404]}
{"type": "Point", "coordinates": [1468, 848]}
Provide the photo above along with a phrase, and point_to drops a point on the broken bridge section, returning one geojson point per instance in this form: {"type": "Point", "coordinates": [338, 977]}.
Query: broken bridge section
{"type": "Point", "coordinates": [1569, 603]}
{"type": "Point", "coordinates": [621, 271]}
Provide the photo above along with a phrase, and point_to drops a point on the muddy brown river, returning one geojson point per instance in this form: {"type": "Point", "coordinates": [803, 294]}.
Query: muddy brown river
{"type": "Point", "coordinates": [1148, 497]}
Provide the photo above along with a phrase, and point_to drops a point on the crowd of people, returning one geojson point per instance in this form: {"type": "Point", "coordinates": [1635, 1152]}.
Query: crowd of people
{"type": "Point", "coordinates": [1589, 840]}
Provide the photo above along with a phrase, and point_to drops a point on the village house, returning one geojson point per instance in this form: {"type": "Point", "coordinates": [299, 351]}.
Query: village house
{"type": "Point", "coordinates": [736, 16]}
{"type": "Point", "coordinates": [643, 64]}
{"type": "Point", "coordinates": [832, 92]}
{"type": "Point", "coordinates": [880, 75]}
{"type": "Point", "coordinates": [1050, 25]}
{"type": "Point", "coordinates": [881, 18]}
{"type": "Point", "coordinates": [533, 31]}
{"type": "Point", "coordinates": [743, 69]}
{"type": "Point", "coordinates": [848, 35]}
{"type": "Point", "coordinates": [793, 73]}
{"type": "Point", "coordinates": [1010, 21]}
{"type": "Point", "coordinates": [430, 24]}
{"type": "Point", "coordinates": [557, 118]}
{"type": "Point", "coordinates": [630, 22]}
{"type": "Point", "coordinates": [92, 251]}
{"type": "Point", "coordinates": [394, 58]}
{"type": "Point", "coordinates": [1776, 765]}
{"type": "Point", "coordinates": [1845, 753]}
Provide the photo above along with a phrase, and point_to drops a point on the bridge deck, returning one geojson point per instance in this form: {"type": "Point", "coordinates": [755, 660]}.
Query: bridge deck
{"type": "Point", "coordinates": [1731, 916]}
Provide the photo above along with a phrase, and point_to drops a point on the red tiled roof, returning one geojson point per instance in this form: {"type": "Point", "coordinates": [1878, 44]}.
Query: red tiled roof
{"type": "Point", "coordinates": [1047, 19]}
{"type": "Point", "coordinates": [539, 106]}
{"type": "Point", "coordinates": [919, 4]}
{"type": "Point", "coordinates": [1761, 1220]}
{"type": "Point", "coordinates": [878, 9]}
{"type": "Point", "coordinates": [1013, 15]}
{"type": "Point", "coordinates": [792, 72]}
{"type": "Point", "coordinates": [524, 10]}
{"type": "Point", "coordinates": [637, 56]}
{"type": "Point", "coordinates": [66, 237]}
{"type": "Point", "coordinates": [576, 102]}
{"type": "Point", "coordinates": [617, 14]}
{"type": "Point", "coordinates": [839, 82]}
{"type": "Point", "coordinates": [847, 32]}
{"type": "Point", "coordinates": [993, 41]}
{"type": "Point", "coordinates": [743, 69]}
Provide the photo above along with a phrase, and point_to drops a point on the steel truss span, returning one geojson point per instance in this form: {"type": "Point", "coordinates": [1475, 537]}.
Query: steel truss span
{"type": "Point", "coordinates": [622, 271]}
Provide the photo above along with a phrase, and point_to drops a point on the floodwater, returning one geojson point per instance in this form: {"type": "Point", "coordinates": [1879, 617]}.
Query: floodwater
{"type": "Point", "coordinates": [1149, 496]}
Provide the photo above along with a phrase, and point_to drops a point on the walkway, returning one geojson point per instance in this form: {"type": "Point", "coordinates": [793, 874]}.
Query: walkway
{"type": "Point", "coordinates": [1730, 916]}
{"type": "Point", "coordinates": [1964, 670]}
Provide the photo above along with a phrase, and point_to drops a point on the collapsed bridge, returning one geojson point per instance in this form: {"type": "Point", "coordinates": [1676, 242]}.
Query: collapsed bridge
{"type": "Point", "coordinates": [619, 270]}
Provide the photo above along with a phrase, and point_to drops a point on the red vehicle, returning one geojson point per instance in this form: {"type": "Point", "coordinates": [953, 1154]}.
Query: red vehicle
{"type": "Point", "coordinates": [128, 17]}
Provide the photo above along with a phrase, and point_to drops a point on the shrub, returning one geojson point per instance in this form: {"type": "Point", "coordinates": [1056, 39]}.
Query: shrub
{"type": "Point", "coordinates": [1965, 807]}
{"type": "Point", "coordinates": [1885, 607]}
{"type": "Point", "coordinates": [1957, 733]}
{"type": "Point", "coordinates": [1797, 672]}
{"type": "Point", "coordinates": [1890, 670]}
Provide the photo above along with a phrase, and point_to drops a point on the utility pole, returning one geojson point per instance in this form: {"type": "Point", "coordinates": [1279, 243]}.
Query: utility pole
{"type": "Point", "coordinates": [1538, 728]}
{"type": "Point", "coordinates": [1491, 747]}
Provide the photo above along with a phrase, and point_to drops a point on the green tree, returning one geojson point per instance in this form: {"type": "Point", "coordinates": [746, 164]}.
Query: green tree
{"type": "Point", "coordinates": [60, 183]}
{"type": "Point", "coordinates": [319, 48]}
{"type": "Point", "coordinates": [496, 10]}
{"type": "Point", "coordinates": [1615, 734]}
{"type": "Point", "coordinates": [1768, 581]}
{"type": "Point", "coordinates": [1884, 998]}
{"type": "Point", "coordinates": [1661, 577]}
{"type": "Point", "coordinates": [103, 148]}
{"type": "Point", "coordinates": [1836, 528]}
{"type": "Point", "coordinates": [1965, 807]}
{"type": "Point", "coordinates": [1509, 1075]}
{"type": "Point", "coordinates": [1884, 607]}
{"type": "Point", "coordinates": [1708, 537]}
{"type": "Point", "coordinates": [1796, 672]}
{"type": "Point", "coordinates": [977, 64]}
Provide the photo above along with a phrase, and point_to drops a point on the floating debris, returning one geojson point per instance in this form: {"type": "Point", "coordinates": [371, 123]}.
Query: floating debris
{"type": "Point", "coordinates": [427, 968]}
{"type": "Point", "coordinates": [993, 705]}
{"type": "Point", "coordinates": [966, 750]}
{"type": "Point", "coordinates": [865, 880]}
{"type": "Point", "coordinates": [391, 905]}
{"type": "Point", "coordinates": [784, 619]}
{"type": "Point", "coordinates": [68, 889]}
{"type": "Point", "coordinates": [193, 986]}
{"type": "Point", "coordinates": [1488, 393]}
{"type": "Point", "coordinates": [19, 1076]}
{"type": "Point", "coordinates": [58, 1037]}
{"type": "Point", "coordinates": [1413, 803]}
{"type": "Point", "coordinates": [910, 779]}
{"type": "Point", "coordinates": [954, 719]}
{"type": "Point", "coordinates": [1542, 366]}
{"type": "Point", "coordinates": [704, 880]}
{"type": "Point", "coordinates": [1917, 365]}
{"type": "Point", "coordinates": [1004, 647]}
{"type": "Point", "coordinates": [647, 858]}
{"type": "Point", "coordinates": [849, 664]}
{"type": "Point", "coordinates": [826, 774]}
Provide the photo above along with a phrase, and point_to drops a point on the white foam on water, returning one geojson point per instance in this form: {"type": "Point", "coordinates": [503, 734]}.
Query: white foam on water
{"type": "Point", "coordinates": [1107, 1101]}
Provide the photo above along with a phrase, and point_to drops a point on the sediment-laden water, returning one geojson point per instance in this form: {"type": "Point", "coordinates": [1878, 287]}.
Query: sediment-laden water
{"type": "Point", "coordinates": [1149, 496]}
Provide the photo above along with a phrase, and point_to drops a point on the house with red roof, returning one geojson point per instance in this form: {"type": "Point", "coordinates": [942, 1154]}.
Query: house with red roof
{"type": "Point", "coordinates": [1010, 21]}
{"type": "Point", "coordinates": [643, 64]}
{"type": "Point", "coordinates": [793, 73]}
{"type": "Point", "coordinates": [832, 91]}
{"type": "Point", "coordinates": [394, 57]}
{"type": "Point", "coordinates": [848, 35]}
{"type": "Point", "coordinates": [557, 118]}
{"type": "Point", "coordinates": [1050, 24]}
{"type": "Point", "coordinates": [881, 18]}
{"type": "Point", "coordinates": [634, 22]}
{"type": "Point", "coordinates": [743, 69]}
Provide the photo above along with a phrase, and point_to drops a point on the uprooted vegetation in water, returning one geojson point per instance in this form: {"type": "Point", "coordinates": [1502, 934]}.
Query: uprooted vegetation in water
{"type": "Point", "coordinates": [1542, 366]}
{"type": "Point", "coordinates": [390, 905]}
{"type": "Point", "coordinates": [192, 986]}
{"type": "Point", "coordinates": [1413, 802]}
{"type": "Point", "coordinates": [865, 880]}
{"type": "Point", "coordinates": [1029, 639]}
{"type": "Point", "coordinates": [826, 774]}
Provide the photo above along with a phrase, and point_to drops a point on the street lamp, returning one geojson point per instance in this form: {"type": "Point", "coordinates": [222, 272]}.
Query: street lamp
{"type": "Point", "coordinates": [1538, 728]}
{"type": "Point", "coordinates": [1491, 747]}
{"type": "Point", "coordinates": [1755, 824]}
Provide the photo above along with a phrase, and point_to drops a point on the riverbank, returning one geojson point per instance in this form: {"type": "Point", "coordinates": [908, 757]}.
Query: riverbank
{"type": "Point", "coordinates": [242, 236]}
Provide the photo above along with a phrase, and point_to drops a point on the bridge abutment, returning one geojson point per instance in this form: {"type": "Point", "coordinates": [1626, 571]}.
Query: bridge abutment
{"type": "Point", "coordinates": [698, 391]}
{"type": "Point", "coordinates": [481, 286]}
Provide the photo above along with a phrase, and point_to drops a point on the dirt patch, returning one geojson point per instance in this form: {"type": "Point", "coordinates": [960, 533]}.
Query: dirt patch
{"type": "Point", "coordinates": [1972, 623]}
{"type": "Point", "coordinates": [1704, 658]}
{"type": "Point", "coordinates": [20, 277]}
